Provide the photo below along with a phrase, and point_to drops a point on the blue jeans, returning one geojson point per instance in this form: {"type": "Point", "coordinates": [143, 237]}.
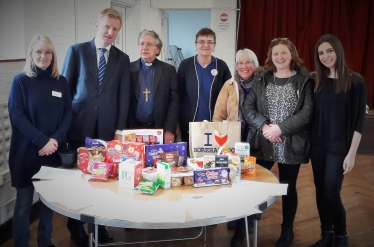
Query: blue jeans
{"type": "Point", "coordinates": [21, 219]}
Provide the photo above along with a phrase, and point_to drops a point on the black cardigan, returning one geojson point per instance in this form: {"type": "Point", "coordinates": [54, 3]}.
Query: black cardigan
{"type": "Point", "coordinates": [338, 116]}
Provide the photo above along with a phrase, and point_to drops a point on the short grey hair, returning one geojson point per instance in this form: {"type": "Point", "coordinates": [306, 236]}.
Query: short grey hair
{"type": "Point", "coordinates": [154, 35]}
{"type": "Point", "coordinates": [246, 53]}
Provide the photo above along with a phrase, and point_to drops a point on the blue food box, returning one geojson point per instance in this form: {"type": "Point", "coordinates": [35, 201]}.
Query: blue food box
{"type": "Point", "coordinates": [210, 177]}
{"type": "Point", "coordinates": [152, 152]}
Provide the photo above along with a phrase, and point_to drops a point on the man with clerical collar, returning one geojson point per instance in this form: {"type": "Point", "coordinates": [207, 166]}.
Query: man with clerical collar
{"type": "Point", "coordinates": [154, 100]}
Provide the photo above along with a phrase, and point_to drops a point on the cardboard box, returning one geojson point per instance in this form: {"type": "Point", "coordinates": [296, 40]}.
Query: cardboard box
{"type": "Point", "coordinates": [118, 151]}
{"type": "Point", "coordinates": [150, 173]}
{"type": "Point", "coordinates": [130, 174]}
{"type": "Point", "coordinates": [147, 136]}
{"type": "Point", "coordinates": [209, 161]}
{"type": "Point", "coordinates": [210, 177]}
{"type": "Point", "coordinates": [164, 175]}
{"type": "Point", "coordinates": [242, 149]}
{"type": "Point", "coordinates": [222, 161]}
{"type": "Point", "coordinates": [152, 152]}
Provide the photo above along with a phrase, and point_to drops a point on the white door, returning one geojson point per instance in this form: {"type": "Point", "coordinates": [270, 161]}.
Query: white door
{"type": "Point", "coordinates": [165, 23]}
{"type": "Point", "coordinates": [120, 42]}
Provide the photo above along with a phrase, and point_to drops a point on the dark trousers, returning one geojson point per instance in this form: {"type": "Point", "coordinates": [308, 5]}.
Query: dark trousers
{"type": "Point", "coordinates": [287, 175]}
{"type": "Point", "coordinates": [328, 180]}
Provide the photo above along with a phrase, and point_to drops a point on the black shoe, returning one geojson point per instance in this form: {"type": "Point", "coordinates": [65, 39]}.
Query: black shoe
{"type": "Point", "coordinates": [231, 225]}
{"type": "Point", "coordinates": [341, 241]}
{"type": "Point", "coordinates": [240, 232]}
{"type": "Point", "coordinates": [286, 238]}
{"type": "Point", "coordinates": [80, 238]}
{"type": "Point", "coordinates": [238, 238]}
{"type": "Point", "coordinates": [104, 236]}
{"type": "Point", "coordinates": [327, 240]}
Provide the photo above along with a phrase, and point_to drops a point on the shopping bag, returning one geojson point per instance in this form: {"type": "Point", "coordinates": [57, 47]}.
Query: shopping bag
{"type": "Point", "coordinates": [205, 138]}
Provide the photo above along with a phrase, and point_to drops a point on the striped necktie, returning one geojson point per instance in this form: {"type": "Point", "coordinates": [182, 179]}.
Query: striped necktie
{"type": "Point", "coordinates": [102, 65]}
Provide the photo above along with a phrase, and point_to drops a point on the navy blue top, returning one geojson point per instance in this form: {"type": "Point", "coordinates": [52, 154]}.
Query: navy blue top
{"type": "Point", "coordinates": [205, 78]}
{"type": "Point", "coordinates": [39, 109]}
{"type": "Point", "coordinates": [144, 109]}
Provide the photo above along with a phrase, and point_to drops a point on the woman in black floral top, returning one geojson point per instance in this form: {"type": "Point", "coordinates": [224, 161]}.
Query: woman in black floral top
{"type": "Point", "coordinates": [279, 109]}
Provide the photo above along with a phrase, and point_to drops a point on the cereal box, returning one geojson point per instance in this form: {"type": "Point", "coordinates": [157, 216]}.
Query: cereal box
{"type": "Point", "coordinates": [118, 151]}
{"type": "Point", "coordinates": [147, 136]}
{"type": "Point", "coordinates": [130, 173]}
{"type": "Point", "coordinates": [152, 152]}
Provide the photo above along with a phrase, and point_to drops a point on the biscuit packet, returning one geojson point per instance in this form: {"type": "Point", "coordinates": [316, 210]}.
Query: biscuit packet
{"type": "Point", "coordinates": [100, 171]}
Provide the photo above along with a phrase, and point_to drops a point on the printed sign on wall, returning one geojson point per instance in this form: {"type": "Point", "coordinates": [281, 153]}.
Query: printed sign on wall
{"type": "Point", "coordinates": [224, 22]}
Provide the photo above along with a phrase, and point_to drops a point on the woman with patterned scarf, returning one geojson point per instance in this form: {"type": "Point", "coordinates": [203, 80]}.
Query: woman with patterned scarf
{"type": "Point", "coordinates": [228, 107]}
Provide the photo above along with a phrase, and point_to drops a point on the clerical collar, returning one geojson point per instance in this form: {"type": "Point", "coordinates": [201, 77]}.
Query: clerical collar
{"type": "Point", "coordinates": [147, 64]}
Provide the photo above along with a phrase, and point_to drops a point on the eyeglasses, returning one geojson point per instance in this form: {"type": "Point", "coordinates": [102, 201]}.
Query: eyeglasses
{"type": "Point", "coordinates": [202, 42]}
{"type": "Point", "coordinates": [278, 40]}
{"type": "Point", "coordinates": [146, 45]}
{"type": "Point", "coordinates": [46, 53]}
{"type": "Point", "coordinates": [245, 63]}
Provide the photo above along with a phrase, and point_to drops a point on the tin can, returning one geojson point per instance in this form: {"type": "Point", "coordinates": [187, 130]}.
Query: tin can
{"type": "Point", "coordinates": [250, 165]}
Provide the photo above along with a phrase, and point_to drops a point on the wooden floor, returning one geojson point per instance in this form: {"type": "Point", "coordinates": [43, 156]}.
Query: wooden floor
{"type": "Point", "coordinates": [357, 195]}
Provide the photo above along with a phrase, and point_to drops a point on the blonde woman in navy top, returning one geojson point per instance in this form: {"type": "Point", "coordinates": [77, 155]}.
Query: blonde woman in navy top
{"type": "Point", "coordinates": [340, 101]}
{"type": "Point", "coordinates": [40, 114]}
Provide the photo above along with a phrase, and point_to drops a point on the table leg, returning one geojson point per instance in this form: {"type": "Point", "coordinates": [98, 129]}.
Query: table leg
{"type": "Point", "coordinates": [255, 233]}
{"type": "Point", "coordinates": [246, 230]}
{"type": "Point", "coordinates": [204, 234]}
{"type": "Point", "coordinates": [90, 229]}
{"type": "Point", "coordinates": [93, 236]}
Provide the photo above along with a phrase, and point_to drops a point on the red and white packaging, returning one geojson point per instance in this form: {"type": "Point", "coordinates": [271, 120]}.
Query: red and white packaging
{"type": "Point", "coordinates": [119, 151]}
{"type": "Point", "coordinates": [87, 156]}
{"type": "Point", "coordinates": [147, 136]}
{"type": "Point", "coordinates": [150, 173]}
{"type": "Point", "coordinates": [130, 174]}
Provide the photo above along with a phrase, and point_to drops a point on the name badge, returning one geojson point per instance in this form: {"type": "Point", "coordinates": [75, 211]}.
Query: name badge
{"type": "Point", "coordinates": [56, 94]}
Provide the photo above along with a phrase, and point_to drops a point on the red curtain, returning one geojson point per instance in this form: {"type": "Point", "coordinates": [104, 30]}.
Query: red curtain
{"type": "Point", "coordinates": [304, 22]}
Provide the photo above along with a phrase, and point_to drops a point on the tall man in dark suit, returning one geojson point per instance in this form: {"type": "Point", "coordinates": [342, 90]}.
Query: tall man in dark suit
{"type": "Point", "coordinates": [154, 87]}
{"type": "Point", "coordinates": [98, 75]}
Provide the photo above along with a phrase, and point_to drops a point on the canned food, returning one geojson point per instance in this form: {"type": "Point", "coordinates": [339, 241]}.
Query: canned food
{"type": "Point", "coordinates": [250, 165]}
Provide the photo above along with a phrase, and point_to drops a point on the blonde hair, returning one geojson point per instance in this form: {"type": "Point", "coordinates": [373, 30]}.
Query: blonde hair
{"type": "Point", "coordinates": [112, 13]}
{"type": "Point", "coordinates": [37, 41]}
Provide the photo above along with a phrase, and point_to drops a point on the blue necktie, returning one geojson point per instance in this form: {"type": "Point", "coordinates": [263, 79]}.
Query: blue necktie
{"type": "Point", "coordinates": [102, 65]}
